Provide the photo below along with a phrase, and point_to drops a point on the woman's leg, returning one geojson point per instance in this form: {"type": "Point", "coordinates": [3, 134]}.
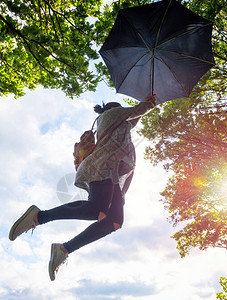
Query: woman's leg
{"type": "Point", "coordinates": [103, 227]}
{"type": "Point", "coordinates": [116, 211]}
{"type": "Point", "coordinates": [34, 216]}
{"type": "Point", "coordinates": [92, 233]}
{"type": "Point", "coordinates": [99, 199]}
{"type": "Point", "coordinates": [81, 210]}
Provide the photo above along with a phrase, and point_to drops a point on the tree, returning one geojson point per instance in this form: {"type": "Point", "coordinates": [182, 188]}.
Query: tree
{"type": "Point", "coordinates": [49, 43]}
{"type": "Point", "coordinates": [190, 139]}
{"type": "Point", "coordinates": [52, 43]}
{"type": "Point", "coordinates": [221, 295]}
{"type": "Point", "coordinates": [193, 144]}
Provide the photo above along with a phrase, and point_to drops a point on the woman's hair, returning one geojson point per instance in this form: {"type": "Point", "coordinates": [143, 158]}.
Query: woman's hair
{"type": "Point", "coordinates": [100, 109]}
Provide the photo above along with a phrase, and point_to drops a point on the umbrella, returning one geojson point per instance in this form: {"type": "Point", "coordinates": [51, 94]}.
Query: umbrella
{"type": "Point", "coordinates": [161, 48]}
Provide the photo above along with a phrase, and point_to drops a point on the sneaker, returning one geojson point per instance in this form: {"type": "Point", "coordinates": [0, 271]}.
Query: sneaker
{"type": "Point", "coordinates": [57, 258]}
{"type": "Point", "coordinates": [24, 223]}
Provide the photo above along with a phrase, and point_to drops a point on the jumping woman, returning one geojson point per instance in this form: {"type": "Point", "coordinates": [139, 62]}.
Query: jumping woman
{"type": "Point", "coordinates": [105, 174]}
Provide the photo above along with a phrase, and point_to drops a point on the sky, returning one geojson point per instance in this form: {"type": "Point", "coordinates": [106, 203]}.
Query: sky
{"type": "Point", "coordinates": [139, 261]}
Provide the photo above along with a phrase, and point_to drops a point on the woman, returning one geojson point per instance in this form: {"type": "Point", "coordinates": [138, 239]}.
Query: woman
{"type": "Point", "coordinates": [106, 175]}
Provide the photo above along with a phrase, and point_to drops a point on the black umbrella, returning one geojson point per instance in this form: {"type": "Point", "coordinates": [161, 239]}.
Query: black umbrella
{"type": "Point", "coordinates": [161, 48]}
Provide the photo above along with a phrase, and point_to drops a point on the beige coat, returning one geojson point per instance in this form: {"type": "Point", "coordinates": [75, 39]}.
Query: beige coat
{"type": "Point", "coordinates": [114, 156]}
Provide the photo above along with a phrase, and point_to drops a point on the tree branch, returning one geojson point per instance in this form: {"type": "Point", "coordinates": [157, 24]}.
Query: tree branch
{"type": "Point", "coordinates": [64, 16]}
{"type": "Point", "coordinates": [51, 54]}
{"type": "Point", "coordinates": [25, 41]}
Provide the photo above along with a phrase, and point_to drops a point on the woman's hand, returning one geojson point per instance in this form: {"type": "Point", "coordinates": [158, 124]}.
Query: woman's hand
{"type": "Point", "coordinates": [151, 99]}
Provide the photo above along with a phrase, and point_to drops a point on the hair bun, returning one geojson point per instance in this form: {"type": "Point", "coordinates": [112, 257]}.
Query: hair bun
{"type": "Point", "coordinates": [99, 109]}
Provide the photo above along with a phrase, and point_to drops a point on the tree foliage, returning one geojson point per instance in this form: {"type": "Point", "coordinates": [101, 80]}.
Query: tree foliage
{"type": "Point", "coordinates": [52, 43]}
{"type": "Point", "coordinates": [223, 283]}
{"type": "Point", "coordinates": [193, 144]}
{"type": "Point", "coordinates": [49, 43]}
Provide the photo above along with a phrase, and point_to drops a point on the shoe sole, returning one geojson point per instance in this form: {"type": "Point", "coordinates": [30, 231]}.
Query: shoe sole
{"type": "Point", "coordinates": [21, 219]}
{"type": "Point", "coordinates": [51, 272]}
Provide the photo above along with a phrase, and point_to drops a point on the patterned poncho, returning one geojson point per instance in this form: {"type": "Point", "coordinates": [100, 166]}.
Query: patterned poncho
{"type": "Point", "coordinates": [114, 156]}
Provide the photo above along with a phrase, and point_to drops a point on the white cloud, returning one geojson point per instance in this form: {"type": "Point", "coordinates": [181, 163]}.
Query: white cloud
{"type": "Point", "coordinates": [21, 248]}
{"type": "Point", "coordinates": [140, 261]}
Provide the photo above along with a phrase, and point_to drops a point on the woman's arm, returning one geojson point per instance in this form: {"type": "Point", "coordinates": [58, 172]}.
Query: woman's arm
{"type": "Point", "coordinates": [140, 109]}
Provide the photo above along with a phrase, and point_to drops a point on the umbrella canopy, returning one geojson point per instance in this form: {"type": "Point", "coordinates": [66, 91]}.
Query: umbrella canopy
{"type": "Point", "coordinates": [161, 48]}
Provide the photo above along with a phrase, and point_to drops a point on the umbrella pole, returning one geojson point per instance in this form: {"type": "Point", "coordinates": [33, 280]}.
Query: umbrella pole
{"type": "Point", "coordinates": [152, 73]}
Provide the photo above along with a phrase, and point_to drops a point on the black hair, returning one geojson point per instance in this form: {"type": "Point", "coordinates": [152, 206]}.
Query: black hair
{"type": "Point", "coordinates": [100, 109]}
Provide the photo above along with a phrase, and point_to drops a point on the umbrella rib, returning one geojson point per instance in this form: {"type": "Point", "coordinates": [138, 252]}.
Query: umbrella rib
{"type": "Point", "coordinates": [184, 33]}
{"type": "Point", "coordinates": [152, 63]}
{"type": "Point", "coordinates": [174, 76]}
{"type": "Point", "coordinates": [158, 33]}
{"type": "Point", "coordinates": [186, 55]}
{"type": "Point", "coordinates": [153, 52]}
{"type": "Point", "coordinates": [140, 35]}
{"type": "Point", "coordinates": [130, 71]}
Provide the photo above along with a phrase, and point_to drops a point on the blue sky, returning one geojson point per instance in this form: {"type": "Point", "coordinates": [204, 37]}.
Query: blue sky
{"type": "Point", "coordinates": [140, 261]}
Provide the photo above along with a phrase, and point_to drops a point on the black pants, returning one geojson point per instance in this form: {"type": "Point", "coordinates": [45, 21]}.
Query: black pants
{"type": "Point", "coordinates": [104, 196]}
